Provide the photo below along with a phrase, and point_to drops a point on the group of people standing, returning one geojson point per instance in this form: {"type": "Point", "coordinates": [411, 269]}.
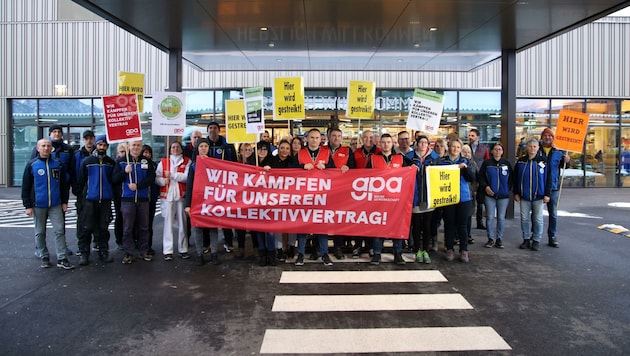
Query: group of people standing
{"type": "Point", "coordinates": [134, 183]}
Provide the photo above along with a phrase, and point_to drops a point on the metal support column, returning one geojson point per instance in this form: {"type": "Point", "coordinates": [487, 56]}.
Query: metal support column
{"type": "Point", "coordinates": [175, 69]}
{"type": "Point", "coordinates": [508, 110]}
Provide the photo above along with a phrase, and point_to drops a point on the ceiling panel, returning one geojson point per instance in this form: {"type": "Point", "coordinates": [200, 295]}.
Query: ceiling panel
{"type": "Point", "coordinates": [352, 35]}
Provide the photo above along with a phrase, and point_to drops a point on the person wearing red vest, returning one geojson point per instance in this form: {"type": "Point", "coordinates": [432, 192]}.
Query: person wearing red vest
{"type": "Point", "coordinates": [388, 159]}
{"type": "Point", "coordinates": [361, 158]}
{"type": "Point", "coordinates": [343, 159]}
{"type": "Point", "coordinates": [171, 176]}
{"type": "Point", "coordinates": [314, 156]}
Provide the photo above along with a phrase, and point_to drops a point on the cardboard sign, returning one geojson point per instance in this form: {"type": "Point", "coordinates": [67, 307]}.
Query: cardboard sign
{"type": "Point", "coordinates": [169, 114]}
{"type": "Point", "coordinates": [132, 83]}
{"type": "Point", "coordinates": [122, 120]}
{"type": "Point", "coordinates": [288, 99]}
{"type": "Point", "coordinates": [254, 115]}
{"type": "Point", "coordinates": [233, 195]}
{"type": "Point", "coordinates": [235, 124]}
{"type": "Point", "coordinates": [425, 111]}
{"type": "Point", "coordinates": [443, 185]}
{"type": "Point", "coordinates": [361, 96]}
{"type": "Point", "coordinates": [571, 131]}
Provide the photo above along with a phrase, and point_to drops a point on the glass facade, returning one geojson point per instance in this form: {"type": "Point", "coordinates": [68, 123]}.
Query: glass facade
{"type": "Point", "coordinates": [604, 161]}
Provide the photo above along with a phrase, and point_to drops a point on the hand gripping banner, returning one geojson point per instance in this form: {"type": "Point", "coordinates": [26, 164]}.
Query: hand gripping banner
{"type": "Point", "coordinates": [360, 202]}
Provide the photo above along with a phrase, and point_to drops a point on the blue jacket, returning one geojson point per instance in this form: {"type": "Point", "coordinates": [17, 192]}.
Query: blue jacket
{"type": "Point", "coordinates": [143, 174]}
{"type": "Point", "coordinates": [65, 153]}
{"type": "Point", "coordinates": [466, 175]}
{"type": "Point", "coordinates": [420, 192]}
{"type": "Point", "coordinates": [44, 183]}
{"type": "Point", "coordinates": [532, 180]}
{"type": "Point", "coordinates": [498, 175]}
{"type": "Point", "coordinates": [555, 161]}
{"type": "Point", "coordinates": [95, 178]}
{"type": "Point", "coordinates": [79, 156]}
{"type": "Point", "coordinates": [223, 150]}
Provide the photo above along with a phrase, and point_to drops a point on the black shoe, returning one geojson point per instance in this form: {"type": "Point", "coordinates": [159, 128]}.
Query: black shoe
{"type": "Point", "coordinates": [105, 257]}
{"type": "Point", "coordinates": [45, 263]}
{"type": "Point", "coordinates": [314, 256]}
{"type": "Point", "coordinates": [471, 240]}
{"type": "Point", "coordinates": [281, 257]}
{"type": "Point", "coordinates": [498, 244]}
{"type": "Point", "coordinates": [128, 259]}
{"type": "Point", "coordinates": [206, 250]}
{"type": "Point", "coordinates": [535, 246]}
{"type": "Point", "coordinates": [199, 261]}
{"type": "Point", "coordinates": [84, 259]}
{"type": "Point", "coordinates": [553, 242]}
{"type": "Point", "coordinates": [214, 259]}
{"type": "Point", "coordinates": [326, 260]}
{"type": "Point", "coordinates": [291, 252]}
{"type": "Point", "coordinates": [356, 253]}
{"type": "Point", "coordinates": [376, 259]}
{"type": "Point", "coordinates": [399, 259]}
{"type": "Point", "coordinates": [168, 257]}
{"type": "Point", "coordinates": [526, 244]}
{"type": "Point", "coordinates": [490, 243]}
{"type": "Point", "coordinates": [184, 256]}
{"type": "Point", "coordinates": [65, 264]}
{"type": "Point", "coordinates": [299, 261]}
{"type": "Point", "coordinates": [339, 254]}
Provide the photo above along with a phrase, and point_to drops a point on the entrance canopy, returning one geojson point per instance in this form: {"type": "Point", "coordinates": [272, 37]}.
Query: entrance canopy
{"type": "Point", "coordinates": [347, 35]}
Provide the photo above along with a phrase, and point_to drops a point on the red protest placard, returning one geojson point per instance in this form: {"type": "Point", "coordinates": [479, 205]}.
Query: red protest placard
{"type": "Point", "coordinates": [360, 202]}
{"type": "Point", "coordinates": [571, 130]}
{"type": "Point", "coordinates": [122, 120]}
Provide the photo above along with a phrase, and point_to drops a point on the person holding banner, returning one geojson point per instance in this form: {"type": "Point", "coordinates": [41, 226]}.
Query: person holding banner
{"type": "Point", "coordinates": [344, 159]}
{"type": "Point", "coordinates": [136, 174]}
{"type": "Point", "coordinates": [221, 149]}
{"type": "Point", "coordinates": [532, 188]}
{"type": "Point", "coordinates": [556, 160]}
{"type": "Point", "coordinates": [423, 156]}
{"type": "Point", "coordinates": [361, 158]}
{"type": "Point", "coordinates": [496, 179]}
{"type": "Point", "coordinates": [314, 156]}
{"type": "Point", "coordinates": [171, 176]}
{"type": "Point", "coordinates": [388, 159]}
{"type": "Point", "coordinates": [201, 152]}
{"type": "Point", "coordinates": [266, 240]}
{"type": "Point", "coordinates": [282, 160]}
{"type": "Point", "coordinates": [456, 216]}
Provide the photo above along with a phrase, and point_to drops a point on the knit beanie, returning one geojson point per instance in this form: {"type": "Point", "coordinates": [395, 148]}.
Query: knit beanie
{"type": "Point", "coordinates": [547, 131]}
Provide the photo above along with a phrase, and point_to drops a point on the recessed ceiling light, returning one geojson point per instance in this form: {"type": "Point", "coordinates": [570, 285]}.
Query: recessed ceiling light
{"type": "Point", "coordinates": [433, 29]}
{"type": "Point", "coordinates": [399, 60]}
{"type": "Point", "coordinates": [416, 44]}
{"type": "Point", "coordinates": [271, 45]}
{"type": "Point", "coordinates": [263, 28]}
{"type": "Point", "coordinates": [278, 59]}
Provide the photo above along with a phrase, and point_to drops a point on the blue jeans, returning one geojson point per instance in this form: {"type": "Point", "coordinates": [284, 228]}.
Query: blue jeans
{"type": "Point", "coordinates": [531, 213]}
{"type": "Point", "coordinates": [266, 240]}
{"type": "Point", "coordinates": [136, 215]}
{"type": "Point", "coordinates": [57, 219]}
{"type": "Point", "coordinates": [322, 239]}
{"type": "Point", "coordinates": [378, 246]}
{"type": "Point", "coordinates": [552, 209]}
{"type": "Point", "coordinates": [495, 208]}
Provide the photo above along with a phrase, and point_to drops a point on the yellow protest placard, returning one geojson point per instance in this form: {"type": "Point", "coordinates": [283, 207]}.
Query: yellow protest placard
{"type": "Point", "coordinates": [361, 97]}
{"type": "Point", "coordinates": [443, 185]}
{"type": "Point", "coordinates": [288, 99]}
{"type": "Point", "coordinates": [571, 130]}
{"type": "Point", "coordinates": [132, 83]}
{"type": "Point", "coordinates": [236, 124]}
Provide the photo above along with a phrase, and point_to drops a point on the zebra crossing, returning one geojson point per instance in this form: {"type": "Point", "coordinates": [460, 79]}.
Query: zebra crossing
{"type": "Point", "coordinates": [12, 214]}
{"type": "Point", "coordinates": [347, 340]}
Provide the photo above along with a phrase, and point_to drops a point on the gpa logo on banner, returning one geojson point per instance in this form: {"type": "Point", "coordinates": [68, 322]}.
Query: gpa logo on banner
{"type": "Point", "coordinates": [374, 188]}
{"type": "Point", "coordinates": [131, 132]}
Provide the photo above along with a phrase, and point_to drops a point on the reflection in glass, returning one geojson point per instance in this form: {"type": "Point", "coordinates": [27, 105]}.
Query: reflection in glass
{"type": "Point", "coordinates": [24, 139]}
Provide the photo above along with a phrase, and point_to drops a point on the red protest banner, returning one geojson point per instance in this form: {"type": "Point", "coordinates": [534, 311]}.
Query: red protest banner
{"type": "Point", "coordinates": [122, 121]}
{"type": "Point", "coordinates": [363, 202]}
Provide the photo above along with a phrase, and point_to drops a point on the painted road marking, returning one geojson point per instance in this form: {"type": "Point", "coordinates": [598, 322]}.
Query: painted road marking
{"type": "Point", "coordinates": [380, 302]}
{"type": "Point", "coordinates": [361, 276]}
{"type": "Point", "coordinates": [386, 340]}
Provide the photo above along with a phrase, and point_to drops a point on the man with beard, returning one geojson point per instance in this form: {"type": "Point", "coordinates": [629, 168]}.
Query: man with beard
{"type": "Point", "coordinates": [95, 178]}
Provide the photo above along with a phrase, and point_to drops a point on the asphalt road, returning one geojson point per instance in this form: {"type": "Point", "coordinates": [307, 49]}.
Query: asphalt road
{"type": "Point", "coordinates": [570, 300]}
